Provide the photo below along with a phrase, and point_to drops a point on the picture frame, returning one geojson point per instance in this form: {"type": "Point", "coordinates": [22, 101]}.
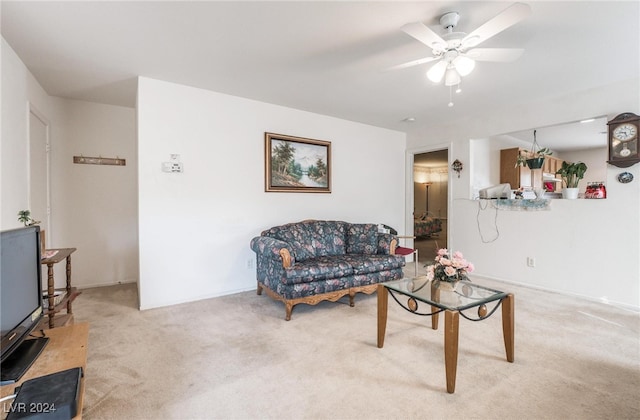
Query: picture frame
{"type": "Point", "coordinates": [296, 164]}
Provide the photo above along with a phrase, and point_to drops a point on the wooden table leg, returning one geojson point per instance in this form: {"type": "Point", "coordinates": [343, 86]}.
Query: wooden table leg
{"type": "Point", "coordinates": [383, 301]}
{"type": "Point", "coordinates": [508, 325]}
{"type": "Point", "coordinates": [434, 317]}
{"type": "Point", "coordinates": [50, 292]}
{"type": "Point", "coordinates": [451, 323]}
{"type": "Point", "coordinates": [435, 295]}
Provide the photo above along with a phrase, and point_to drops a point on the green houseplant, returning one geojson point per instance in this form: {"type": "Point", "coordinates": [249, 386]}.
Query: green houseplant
{"type": "Point", "coordinates": [571, 174]}
{"type": "Point", "coordinates": [24, 216]}
{"type": "Point", "coordinates": [533, 158]}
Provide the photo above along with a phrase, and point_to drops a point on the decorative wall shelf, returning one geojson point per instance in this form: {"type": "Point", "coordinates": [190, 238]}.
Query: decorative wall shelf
{"type": "Point", "coordinates": [88, 160]}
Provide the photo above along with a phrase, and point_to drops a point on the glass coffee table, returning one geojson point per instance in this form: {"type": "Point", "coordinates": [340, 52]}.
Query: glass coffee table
{"type": "Point", "coordinates": [467, 299]}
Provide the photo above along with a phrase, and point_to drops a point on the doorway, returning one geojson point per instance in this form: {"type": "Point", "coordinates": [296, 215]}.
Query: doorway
{"type": "Point", "coordinates": [430, 202]}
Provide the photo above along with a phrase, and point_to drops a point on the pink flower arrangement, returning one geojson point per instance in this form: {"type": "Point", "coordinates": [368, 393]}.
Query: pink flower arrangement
{"type": "Point", "coordinates": [449, 267]}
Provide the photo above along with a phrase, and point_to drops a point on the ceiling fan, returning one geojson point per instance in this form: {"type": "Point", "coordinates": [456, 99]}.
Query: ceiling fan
{"type": "Point", "coordinates": [456, 52]}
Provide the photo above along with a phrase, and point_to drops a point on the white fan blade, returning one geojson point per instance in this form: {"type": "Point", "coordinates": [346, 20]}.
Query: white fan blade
{"type": "Point", "coordinates": [414, 63]}
{"type": "Point", "coordinates": [495, 54]}
{"type": "Point", "coordinates": [508, 17]}
{"type": "Point", "coordinates": [425, 35]}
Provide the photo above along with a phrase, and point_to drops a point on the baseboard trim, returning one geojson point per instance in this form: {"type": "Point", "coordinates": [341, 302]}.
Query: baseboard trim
{"type": "Point", "coordinates": [91, 286]}
{"type": "Point", "coordinates": [196, 299]}
{"type": "Point", "coordinates": [620, 305]}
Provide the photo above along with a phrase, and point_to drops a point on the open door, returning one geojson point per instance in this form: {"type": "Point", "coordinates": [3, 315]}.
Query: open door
{"type": "Point", "coordinates": [430, 203]}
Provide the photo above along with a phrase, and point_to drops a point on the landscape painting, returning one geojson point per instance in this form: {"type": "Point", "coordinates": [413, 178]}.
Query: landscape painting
{"type": "Point", "coordinates": [296, 164]}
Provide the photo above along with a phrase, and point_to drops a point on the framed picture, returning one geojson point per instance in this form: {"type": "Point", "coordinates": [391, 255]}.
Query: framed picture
{"type": "Point", "coordinates": [296, 164]}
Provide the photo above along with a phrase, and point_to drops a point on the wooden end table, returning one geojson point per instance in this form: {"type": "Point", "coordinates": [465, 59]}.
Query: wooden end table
{"type": "Point", "coordinates": [71, 293]}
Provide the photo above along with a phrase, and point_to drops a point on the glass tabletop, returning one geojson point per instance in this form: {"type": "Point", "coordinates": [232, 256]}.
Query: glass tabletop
{"type": "Point", "coordinates": [466, 294]}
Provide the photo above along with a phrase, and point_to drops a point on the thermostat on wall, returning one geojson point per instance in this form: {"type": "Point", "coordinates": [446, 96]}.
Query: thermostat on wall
{"type": "Point", "coordinates": [172, 167]}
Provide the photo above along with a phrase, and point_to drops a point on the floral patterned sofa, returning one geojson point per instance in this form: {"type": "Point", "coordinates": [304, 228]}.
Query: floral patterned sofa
{"type": "Point", "coordinates": [316, 260]}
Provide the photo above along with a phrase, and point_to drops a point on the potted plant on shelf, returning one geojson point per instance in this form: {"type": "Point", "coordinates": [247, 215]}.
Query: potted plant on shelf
{"type": "Point", "coordinates": [24, 216]}
{"type": "Point", "coordinates": [533, 158]}
{"type": "Point", "coordinates": [571, 174]}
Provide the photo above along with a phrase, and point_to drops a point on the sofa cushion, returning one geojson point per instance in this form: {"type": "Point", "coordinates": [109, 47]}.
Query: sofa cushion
{"type": "Point", "coordinates": [320, 268]}
{"type": "Point", "coordinates": [366, 264]}
{"type": "Point", "coordinates": [328, 237]}
{"type": "Point", "coordinates": [298, 236]}
{"type": "Point", "coordinates": [362, 239]}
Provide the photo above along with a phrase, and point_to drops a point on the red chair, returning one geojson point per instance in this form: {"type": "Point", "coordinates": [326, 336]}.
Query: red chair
{"type": "Point", "coordinates": [404, 251]}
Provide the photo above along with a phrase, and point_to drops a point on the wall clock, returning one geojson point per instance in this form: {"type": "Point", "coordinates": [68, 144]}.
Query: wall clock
{"type": "Point", "coordinates": [623, 140]}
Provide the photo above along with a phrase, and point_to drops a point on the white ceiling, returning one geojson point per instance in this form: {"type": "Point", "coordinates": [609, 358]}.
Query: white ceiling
{"type": "Point", "coordinates": [324, 57]}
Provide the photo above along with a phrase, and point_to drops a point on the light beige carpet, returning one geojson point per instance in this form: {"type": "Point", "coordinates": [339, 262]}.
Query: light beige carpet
{"type": "Point", "coordinates": [235, 357]}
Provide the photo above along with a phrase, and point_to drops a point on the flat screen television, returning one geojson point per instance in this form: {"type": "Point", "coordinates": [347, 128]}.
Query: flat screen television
{"type": "Point", "coordinates": [20, 301]}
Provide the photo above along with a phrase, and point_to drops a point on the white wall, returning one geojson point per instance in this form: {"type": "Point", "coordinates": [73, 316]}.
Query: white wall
{"type": "Point", "coordinates": [93, 208]}
{"type": "Point", "coordinates": [484, 165]}
{"type": "Point", "coordinates": [195, 227]}
{"type": "Point", "coordinates": [589, 248]}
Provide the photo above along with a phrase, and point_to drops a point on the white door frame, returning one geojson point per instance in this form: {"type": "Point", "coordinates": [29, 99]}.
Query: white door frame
{"type": "Point", "coordinates": [409, 205]}
{"type": "Point", "coordinates": [32, 110]}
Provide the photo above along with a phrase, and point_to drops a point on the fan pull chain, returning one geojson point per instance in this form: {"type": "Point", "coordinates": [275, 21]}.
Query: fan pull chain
{"type": "Point", "coordinates": [450, 96]}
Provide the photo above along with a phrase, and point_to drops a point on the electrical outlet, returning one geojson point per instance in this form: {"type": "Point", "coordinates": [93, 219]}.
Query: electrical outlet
{"type": "Point", "coordinates": [531, 262]}
{"type": "Point", "coordinates": [250, 263]}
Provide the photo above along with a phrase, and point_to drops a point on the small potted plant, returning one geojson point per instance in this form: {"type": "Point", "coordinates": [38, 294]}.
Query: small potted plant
{"type": "Point", "coordinates": [571, 174]}
{"type": "Point", "coordinates": [533, 158]}
{"type": "Point", "coordinates": [24, 216]}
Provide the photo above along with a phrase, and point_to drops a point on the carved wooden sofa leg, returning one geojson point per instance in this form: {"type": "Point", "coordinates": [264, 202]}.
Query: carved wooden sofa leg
{"type": "Point", "coordinates": [259, 289]}
{"type": "Point", "coordinates": [288, 308]}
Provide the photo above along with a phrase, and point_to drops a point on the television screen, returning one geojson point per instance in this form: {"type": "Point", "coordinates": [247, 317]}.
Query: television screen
{"type": "Point", "coordinates": [20, 297]}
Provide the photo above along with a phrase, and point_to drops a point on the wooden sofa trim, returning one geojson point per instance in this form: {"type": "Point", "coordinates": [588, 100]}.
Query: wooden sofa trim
{"type": "Point", "coordinates": [286, 258]}
{"type": "Point", "coordinates": [392, 247]}
{"type": "Point", "coordinates": [315, 299]}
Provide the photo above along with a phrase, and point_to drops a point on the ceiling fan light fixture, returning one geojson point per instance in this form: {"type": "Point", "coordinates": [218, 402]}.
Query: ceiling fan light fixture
{"type": "Point", "coordinates": [436, 72]}
{"type": "Point", "coordinates": [464, 65]}
{"type": "Point", "coordinates": [451, 77]}
{"type": "Point", "coordinates": [456, 52]}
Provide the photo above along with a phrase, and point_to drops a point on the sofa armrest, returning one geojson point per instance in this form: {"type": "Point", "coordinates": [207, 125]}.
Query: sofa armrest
{"type": "Point", "coordinates": [387, 243]}
{"type": "Point", "coordinates": [286, 257]}
{"type": "Point", "coordinates": [266, 247]}
{"type": "Point", "coordinates": [393, 246]}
